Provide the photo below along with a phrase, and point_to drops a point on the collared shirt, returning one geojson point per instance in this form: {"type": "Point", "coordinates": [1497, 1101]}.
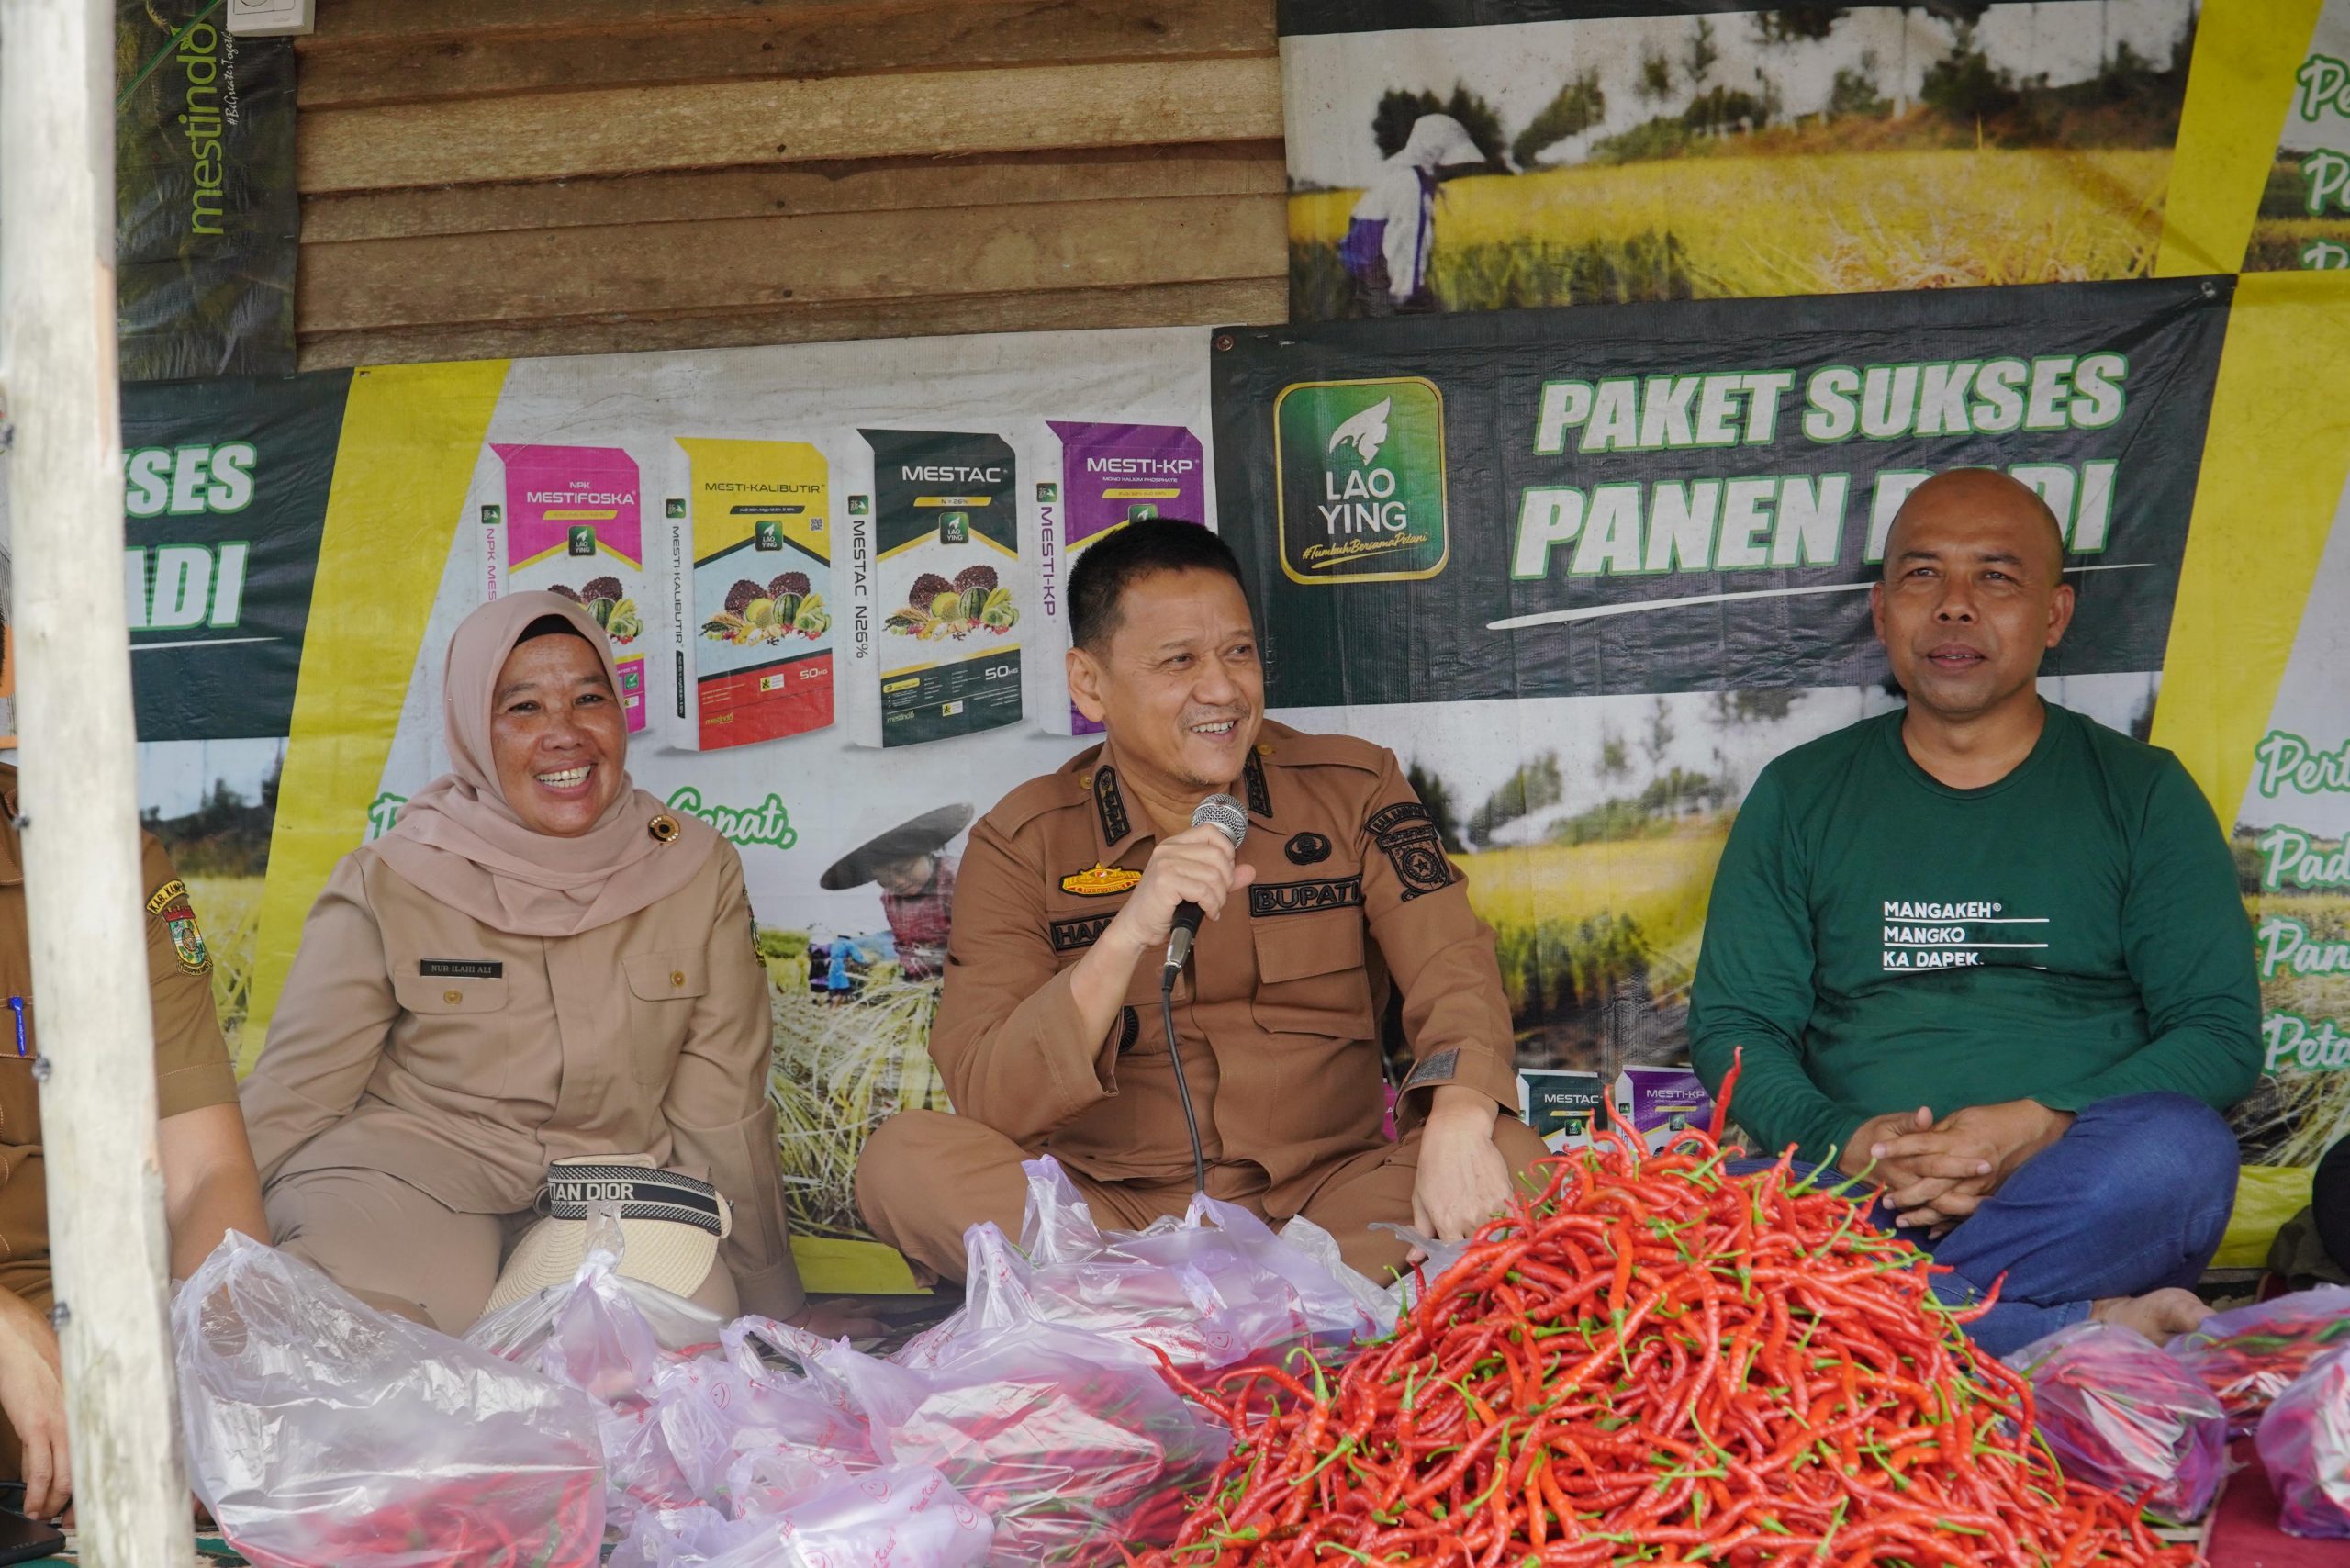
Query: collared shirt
{"type": "Point", "coordinates": [415, 1040]}
{"type": "Point", "coordinates": [192, 1067]}
{"type": "Point", "coordinates": [919, 921]}
{"type": "Point", "coordinates": [1278, 1014]}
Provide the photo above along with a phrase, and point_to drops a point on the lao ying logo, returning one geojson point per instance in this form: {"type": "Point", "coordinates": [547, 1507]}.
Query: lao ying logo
{"type": "Point", "coordinates": [1360, 480]}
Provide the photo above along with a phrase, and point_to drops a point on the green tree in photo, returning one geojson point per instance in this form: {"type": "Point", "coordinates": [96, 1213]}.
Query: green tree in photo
{"type": "Point", "coordinates": [1854, 92]}
{"type": "Point", "coordinates": [1615, 757]}
{"type": "Point", "coordinates": [1697, 60]}
{"type": "Point", "coordinates": [1579, 106]}
{"type": "Point", "coordinates": [1656, 74]}
{"type": "Point", "coordinates": [1963, 85]}
{"type": "Point", "coordinates": [1797, 23]}
{"type": "Point", "coordinates": [1535, 787]}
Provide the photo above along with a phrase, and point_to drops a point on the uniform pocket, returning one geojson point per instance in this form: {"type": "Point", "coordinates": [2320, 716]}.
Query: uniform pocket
{"type": "Point", "coordinates": [1310, 975]}
{"type": "Point", "coordinates": [456, 1034]}
{"type": "Point", "coordinates": [662, 989]}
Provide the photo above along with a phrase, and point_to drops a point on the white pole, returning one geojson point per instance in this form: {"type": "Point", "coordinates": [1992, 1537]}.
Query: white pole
{"type": "Point", "coordinates": [83, 901]}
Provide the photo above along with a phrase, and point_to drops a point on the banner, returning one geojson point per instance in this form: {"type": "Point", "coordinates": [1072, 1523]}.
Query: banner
{"type": "Point", "coordinates": [1585, 573]}
{"type": "Point", "coordinates": [2304, 219]}
{"type": "Point", "coordinates": [1685, 498]}
{"type": "Point", "coordinates": [208, 218]}
{"type": "Point", "coordinates": [224, 495]}
{"type": "Point", "coordinates": [1450, 155]}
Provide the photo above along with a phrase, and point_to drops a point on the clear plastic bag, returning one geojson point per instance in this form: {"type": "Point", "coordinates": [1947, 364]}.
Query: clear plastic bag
{"type": "Point", "coordinates": [2119, 1412]}
{"type": "Point", "coordinates": [322, 1431]}
{"type": "Point", "coordinates": [614, 1338]}
{"type": "Point", "coordinates": [2304, 1445]}
{"type": "Point", "coordinates": [1209, 1289]}
{"type": "Point", "coordinates": [716, 1411]}
{"type": "Point", "coordinates": [906, 1517]}
{"type": "Point", "coordinates": [600, 1331]}
{"type": "Point", "coordinates": [1071, 1443]}
{"type": "Point", "coordinates": [2249, 1355]}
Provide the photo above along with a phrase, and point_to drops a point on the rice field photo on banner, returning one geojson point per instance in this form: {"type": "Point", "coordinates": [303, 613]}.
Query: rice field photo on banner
{"type": "Point", "coordinates": [2304, 220]}
{"type": "Point", "coordinates": [1462, 156]}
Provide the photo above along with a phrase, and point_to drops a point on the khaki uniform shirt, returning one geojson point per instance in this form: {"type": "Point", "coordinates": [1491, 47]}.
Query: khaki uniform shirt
{"type": "Point", "coordinates": [413, 1040]}
{"type": "Point", "coordinates": [1278, 1013]}
{"type": "Point", "coordinates": [192, 1067]}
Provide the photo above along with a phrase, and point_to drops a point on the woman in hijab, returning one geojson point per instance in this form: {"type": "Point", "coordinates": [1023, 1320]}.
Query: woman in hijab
{"type": "Point", "coordinates": [538, 992]}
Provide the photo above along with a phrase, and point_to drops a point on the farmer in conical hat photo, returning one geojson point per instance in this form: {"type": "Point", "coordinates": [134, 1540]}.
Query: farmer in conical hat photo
{"type": "Point", "coordinates": [1392, 231]}
{"type": "Point", "coordinates": [917, 881]}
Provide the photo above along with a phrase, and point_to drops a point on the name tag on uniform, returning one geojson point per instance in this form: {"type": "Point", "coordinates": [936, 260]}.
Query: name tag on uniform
{"type": "Point", "coordinates": [460, 969]}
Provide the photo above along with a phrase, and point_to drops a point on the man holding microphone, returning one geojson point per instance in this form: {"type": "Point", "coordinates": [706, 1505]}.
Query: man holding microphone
{"type": "Point", "coordinates": [1049, 1033]}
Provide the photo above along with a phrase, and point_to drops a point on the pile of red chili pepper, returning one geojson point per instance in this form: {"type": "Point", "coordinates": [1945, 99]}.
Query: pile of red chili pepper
{"type": "Point", "coordinates": [1656, 1362]}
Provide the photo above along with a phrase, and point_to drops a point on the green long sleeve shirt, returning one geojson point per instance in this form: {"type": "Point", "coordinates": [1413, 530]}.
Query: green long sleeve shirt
{"type": "Point", "coordinates": [1878, 941]}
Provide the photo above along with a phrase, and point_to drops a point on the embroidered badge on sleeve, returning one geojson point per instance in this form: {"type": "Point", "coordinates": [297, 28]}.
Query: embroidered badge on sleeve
{"type": "Point", "coordinates": [169, 903]}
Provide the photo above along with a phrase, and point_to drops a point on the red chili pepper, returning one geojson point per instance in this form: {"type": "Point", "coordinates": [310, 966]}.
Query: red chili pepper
{"type": "Point", "coordinates": [1653, 1362]}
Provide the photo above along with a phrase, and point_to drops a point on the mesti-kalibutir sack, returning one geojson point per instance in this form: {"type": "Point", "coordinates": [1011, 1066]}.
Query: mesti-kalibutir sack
{"type": "Point", "coordinates": [751, 544]}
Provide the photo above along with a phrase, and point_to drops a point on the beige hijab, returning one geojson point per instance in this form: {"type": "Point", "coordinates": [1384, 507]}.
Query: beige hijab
{"type": "Point", "coordinates": [460, 841]}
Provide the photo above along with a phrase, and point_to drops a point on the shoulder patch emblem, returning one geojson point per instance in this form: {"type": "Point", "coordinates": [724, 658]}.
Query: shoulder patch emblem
{"type": "Point", "coordinates": [1260, 799]}
{"type": "Point", "coordinates": [1387, 819]}
{"type": "Point", "coordinates": [1417, 855]}
{"type": "Point", "coordinates": [1099, 881]}
{"type": "Point", "coordinates": [1071, 935]}
{"type": "Point", "coordinates": [1307, 849]}
{"type": "Point", "coordinates": [1111, 806]}
{"type": "Point", "coordinates": [188, 942]}
{"type": "Point", "coordinates": [171, 892]}
{"type": "Point", "coordinates": [1265, 899]}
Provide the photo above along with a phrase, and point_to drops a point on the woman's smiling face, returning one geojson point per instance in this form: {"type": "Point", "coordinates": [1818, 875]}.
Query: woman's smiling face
{"type": "Point", "coordinates": [557, 735]}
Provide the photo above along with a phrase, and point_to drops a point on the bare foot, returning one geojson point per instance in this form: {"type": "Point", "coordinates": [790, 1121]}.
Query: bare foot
{"type": "Point", "coordinates": [2159, 1316]}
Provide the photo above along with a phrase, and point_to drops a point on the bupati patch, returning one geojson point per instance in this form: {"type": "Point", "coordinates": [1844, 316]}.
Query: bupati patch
{"type": "Point", "coordinates": [1307, 849]}
{"type": "Point", "coordinates": [1070, 935]}
{"type": "Point", "coordinates": [171, 892]}
{"type": "Point", "coordinates": [1303, 897]}
{"type": "Point", "coordinates": [1099, 881]}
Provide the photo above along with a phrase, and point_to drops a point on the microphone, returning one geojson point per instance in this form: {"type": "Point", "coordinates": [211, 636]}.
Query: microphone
{"type": "Point", "coordinates": [1226, 816]}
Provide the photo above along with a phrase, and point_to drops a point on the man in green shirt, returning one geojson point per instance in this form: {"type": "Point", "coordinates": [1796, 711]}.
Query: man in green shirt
{"type": "Point", "coordinates": [1989, 954]}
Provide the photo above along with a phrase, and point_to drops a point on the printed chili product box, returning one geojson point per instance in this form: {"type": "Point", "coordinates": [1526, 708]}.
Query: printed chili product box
{"type": "Point", "coordinates": [1660, 1102]}
{"type": "Point", "coordinates": [943, 587]}
{"type": "Point", "coordinates": [1112, 474]}
{"type": "Point", "coordinates": [1562, 1107]}
{"type": "Point", "coordinates": [570, 521]}
{"type": "Point", "coordinates": [753, 646]}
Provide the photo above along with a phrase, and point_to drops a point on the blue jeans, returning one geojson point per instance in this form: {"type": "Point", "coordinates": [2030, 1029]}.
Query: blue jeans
{"type": "Point", "coordinates": [2133, 1197]}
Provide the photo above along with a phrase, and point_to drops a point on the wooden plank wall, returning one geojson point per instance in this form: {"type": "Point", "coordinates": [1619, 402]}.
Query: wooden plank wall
{"type": "Point", "coordinates": [484, 178]}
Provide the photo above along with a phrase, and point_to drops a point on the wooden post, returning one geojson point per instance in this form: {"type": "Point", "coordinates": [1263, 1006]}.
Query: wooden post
{"type": "Point", "coordinates": [83, 892]}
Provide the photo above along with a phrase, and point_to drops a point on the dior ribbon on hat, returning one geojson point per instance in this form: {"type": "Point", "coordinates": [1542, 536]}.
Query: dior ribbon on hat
{"type": "Point", "coordinates": [671, 1225]}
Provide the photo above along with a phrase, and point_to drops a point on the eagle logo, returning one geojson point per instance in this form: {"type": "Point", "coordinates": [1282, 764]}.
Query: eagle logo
{"type": "Point", "coordinates": [1365, 432]}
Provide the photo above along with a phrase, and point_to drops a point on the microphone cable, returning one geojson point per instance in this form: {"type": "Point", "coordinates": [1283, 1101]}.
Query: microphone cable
{"type": "Point", "coordinates": [1182, 1089]}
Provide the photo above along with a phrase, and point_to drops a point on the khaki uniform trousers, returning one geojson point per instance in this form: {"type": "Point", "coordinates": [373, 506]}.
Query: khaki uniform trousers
{"type": "Point", "coordinates": [926, 1177]}
{"type": "Point", "coordinates": [403, 1252]}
